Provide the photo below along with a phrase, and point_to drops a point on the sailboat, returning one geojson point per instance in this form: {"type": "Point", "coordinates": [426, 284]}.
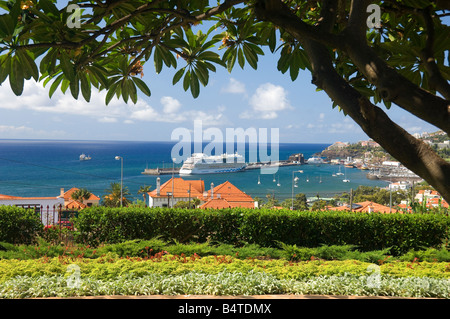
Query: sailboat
{"type": "Point", "coordinates": [307, 179]}
{"type": "Point", "coordinates": [259, 181]}
{"type": "Point", "coordinates": [274, 180]}
{"type": "Point", "coordinates": [278, 184]}
{"type": "Point", "coordinates": [320, 180]}
{"type": "Point", "coordinates": [346, 180]}
{"type": "Point", "coordinates": [339, 173]}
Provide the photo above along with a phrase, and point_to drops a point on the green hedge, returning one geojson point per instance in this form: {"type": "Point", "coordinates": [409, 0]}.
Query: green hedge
{"type": "Point", "coordinates": [401, 232]}
{"type": "Point", "coordinates": [19, 225]}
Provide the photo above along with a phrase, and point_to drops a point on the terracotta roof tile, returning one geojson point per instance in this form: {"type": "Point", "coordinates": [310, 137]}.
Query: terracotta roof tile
{"type": "Point", "coordinates": [180, 188]}
{"type": "Point", "coordinates": [68, 195]}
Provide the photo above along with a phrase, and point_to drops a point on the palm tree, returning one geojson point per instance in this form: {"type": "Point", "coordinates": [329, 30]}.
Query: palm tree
{"type": "Point", "coordinates": [144, 190]}
{"type": "Point", "coordinates": [112, 197]}
{"type": "Point", "coordinates": [81, 194]}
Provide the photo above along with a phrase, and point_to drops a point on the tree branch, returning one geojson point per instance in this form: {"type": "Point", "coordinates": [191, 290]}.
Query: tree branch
{"type": "Point", "coordinates": [357, 22]}
{"type": "Point", "coordinates": [396, 88]}
{"type": "Point", "coordinates": [279, 14]}
{"type": "Point", "coordinates": [436, 80]}
{"type": "Point", "coordinates": [413, 153]}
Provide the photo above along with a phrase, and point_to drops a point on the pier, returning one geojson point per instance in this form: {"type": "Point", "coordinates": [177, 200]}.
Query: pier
{"type": "Point", "coordinates": [250, 166]}
{"type": "Point", "coordinates": [161, 171]}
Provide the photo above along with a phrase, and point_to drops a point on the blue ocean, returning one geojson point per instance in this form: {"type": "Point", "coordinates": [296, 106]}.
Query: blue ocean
{"type": "Point", "coordinates": [42, 167]}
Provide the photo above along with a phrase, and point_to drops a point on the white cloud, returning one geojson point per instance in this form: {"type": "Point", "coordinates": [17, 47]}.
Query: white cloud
{"type": "Point", "coordinates": [267, 101]}
{"type": "Point", "coordinates": [170, 105]}
{"type": "Point", "coordinates": [107, 119]}
{"type": "Point", "coordinates": [35, 98]}
{"type": "Point", "coordinates": [234, 87]}
{"type": "Point", "coordinates": [11, 131]}
{"type": "Point", "coordinates": [342, 128]}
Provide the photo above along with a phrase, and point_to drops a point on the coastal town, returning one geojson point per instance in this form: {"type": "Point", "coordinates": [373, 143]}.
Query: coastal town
{"type": "Point", "coordinates": [367, 156]}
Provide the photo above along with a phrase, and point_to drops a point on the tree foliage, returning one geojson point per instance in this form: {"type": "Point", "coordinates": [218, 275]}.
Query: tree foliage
{"type": "Point", "coordinates": [365, 70]}
{"type": "Point", "coordinates": [114, 194]}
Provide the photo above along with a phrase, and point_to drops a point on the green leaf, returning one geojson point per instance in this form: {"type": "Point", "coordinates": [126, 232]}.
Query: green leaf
{"type": "Point", "coordinates": [158, 61]}
{"type": "Point", "coordinates": [6, 26]}
{"type": "Point", "coordinates": [251, 56]}
{"type": "Point", "coordinates": [231, 61]}
{"type": "Point", "coordinates": [132, 90]}
{"type": "Point", "coordinates": [186, 80]}
{"type": "Point", "coordinates": [48, 7]}
{"type": "Point", "coordinates": [125, 90]}
{"type": "Point", "coordinates": [16, 77]}
{"type": "Point", "coordinates": [241, 59]}
{"type": "Point", "coordinates": [75, 87]}
{"type": "Point", "coordinates": [55, 85]}
{"type": "Point", "coordinates": [178, 76]}
{"type": "Point", "coordinates": [5, 67]}
{"type": "Point", "coordinates": [85, 86]}
{"type": "Point", "coordinates": [28, 64]}
{"type": "Point", "coordinates": [195, 86]}
{"type": "Point", "coordinates": [202, 73]}
{"type": "Point", "coordinates": [111, 92]}
{"type": "Point", "coordinates": [142, 86]}
{"type": "Point", "coordinates": [67, 67]}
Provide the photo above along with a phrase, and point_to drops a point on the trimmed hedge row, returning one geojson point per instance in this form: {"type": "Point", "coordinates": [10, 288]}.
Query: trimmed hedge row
{"type": "Point", "coordinates": [401, 232]}
{"type": "Point", "coordinates": [19, 225]}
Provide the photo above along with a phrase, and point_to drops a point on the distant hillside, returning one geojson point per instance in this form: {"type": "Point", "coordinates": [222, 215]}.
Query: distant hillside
{"type": "Point", "coordinates": [369, 150]}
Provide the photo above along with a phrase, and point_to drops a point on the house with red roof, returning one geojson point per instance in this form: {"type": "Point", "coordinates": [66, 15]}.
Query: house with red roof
{"type": "Point", "coordinates": [70, 203]}
{"type": "Point", "coordinates": [175, 190]}
{"type": "Point", "coordinates": [226, 195]}
{"type": "Point", "coordinates": [366, 207]}
{"type": "Point", "coordinates": [48, 207]}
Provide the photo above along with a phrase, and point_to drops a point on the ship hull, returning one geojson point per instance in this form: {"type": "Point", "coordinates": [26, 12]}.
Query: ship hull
{"type": "Point", "coordinates": [197, 171]}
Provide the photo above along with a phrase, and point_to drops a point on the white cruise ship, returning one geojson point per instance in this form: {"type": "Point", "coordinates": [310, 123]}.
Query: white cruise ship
{"type": "Point", "coordinates": [200, 163]}
{"type": "Point", "coordinates": [315, 160]}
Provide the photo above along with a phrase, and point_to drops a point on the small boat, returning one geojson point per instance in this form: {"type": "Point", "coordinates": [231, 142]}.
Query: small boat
{"type": "Point", "coordinates": [259, 181]}
{"type": "Point", "coordinates": [346, 180]}
{"type": "Point", "coordinates": [84, 157]}
{"type": "Point", "coordinates": [278, 184]}
{"type": "Point", "coordinates": [339, 173]}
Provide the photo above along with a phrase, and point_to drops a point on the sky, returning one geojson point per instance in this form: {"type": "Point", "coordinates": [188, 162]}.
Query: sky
{"type": "Point", "coordinates": [248, 98]}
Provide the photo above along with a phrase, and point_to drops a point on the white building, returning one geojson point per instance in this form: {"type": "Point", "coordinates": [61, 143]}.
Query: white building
{"type": "Point", "coordinates": [47, 207]}
{"type": "Point", "coordinates": [399, 186]}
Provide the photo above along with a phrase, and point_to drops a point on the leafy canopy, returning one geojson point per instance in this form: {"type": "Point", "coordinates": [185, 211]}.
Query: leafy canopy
{"type": "Point", "coordinates": [116, 40]}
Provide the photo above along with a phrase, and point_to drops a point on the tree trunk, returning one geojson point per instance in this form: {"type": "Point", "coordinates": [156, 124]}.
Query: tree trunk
{"type": "Point", "coordinates": [411, 152]}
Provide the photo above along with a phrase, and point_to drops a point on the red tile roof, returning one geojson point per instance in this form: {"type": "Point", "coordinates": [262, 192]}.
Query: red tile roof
{"type": "Point", "coordinates": [8, 197]}
{"type": "Point", "coordinates": [366, 207]}
{"type": "Point", "coordinates": [68, 195]}
{"type": "Point", "coordinates": [180, 188]}
{"type": "Point", "coordinates": [74, 204]}
{"type": "Point", "coordinates": [226, 194]}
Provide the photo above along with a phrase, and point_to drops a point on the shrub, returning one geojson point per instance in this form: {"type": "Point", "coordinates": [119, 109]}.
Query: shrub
{"type": "Point", "coordinates": [19, 225]}
{"type": "Point", "coordinates": [264, 227]}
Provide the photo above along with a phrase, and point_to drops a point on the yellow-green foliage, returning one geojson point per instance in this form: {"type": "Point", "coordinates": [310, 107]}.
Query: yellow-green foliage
{"type": "Point", "coordinates": [110, 267]}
